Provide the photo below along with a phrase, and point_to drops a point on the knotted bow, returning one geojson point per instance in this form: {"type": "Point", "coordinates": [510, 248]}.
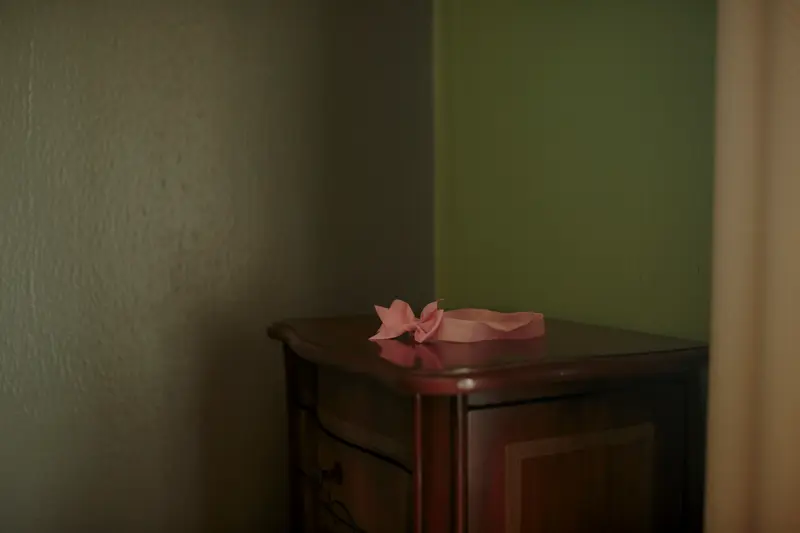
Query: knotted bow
{"type": "Point", "coordinates": [457, 325]}
{"type": "Point", "coordinates": [399, 319]}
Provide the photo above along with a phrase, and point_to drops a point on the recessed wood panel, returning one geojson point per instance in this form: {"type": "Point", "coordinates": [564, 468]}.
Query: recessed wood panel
{"type": "Point", "coordinates": [615, 493]}
{"type": "Point", "coordinates": [589, 463]}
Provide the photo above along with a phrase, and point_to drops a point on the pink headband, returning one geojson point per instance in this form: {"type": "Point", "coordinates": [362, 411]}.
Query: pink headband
{"type": "Point", "coordinates": [459, 325]}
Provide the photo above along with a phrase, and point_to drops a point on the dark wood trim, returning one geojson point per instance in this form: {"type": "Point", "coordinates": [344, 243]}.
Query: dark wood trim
{"type": "Point", "coordinates": [462, 463]}
{"type": "Point", "coordinates": [301, 400]}
{"type": "Point", "coordinates": [441, 465]}
{"type": "Point", "coordinates": [696, 392]}
{"type": "Point", "coordinates": [418, 473]}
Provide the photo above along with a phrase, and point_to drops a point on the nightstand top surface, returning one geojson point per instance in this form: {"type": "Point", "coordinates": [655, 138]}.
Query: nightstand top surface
{"type": "Point", "coordinates": [568, 351]}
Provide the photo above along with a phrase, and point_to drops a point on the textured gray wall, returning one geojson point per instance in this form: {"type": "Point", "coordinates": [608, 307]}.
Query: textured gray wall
{"type": "Point", "coordinates": [173, 176]}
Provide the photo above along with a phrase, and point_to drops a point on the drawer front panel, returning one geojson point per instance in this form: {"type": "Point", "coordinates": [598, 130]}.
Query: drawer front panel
{"type": "Point", "coordinates": [361, 492]}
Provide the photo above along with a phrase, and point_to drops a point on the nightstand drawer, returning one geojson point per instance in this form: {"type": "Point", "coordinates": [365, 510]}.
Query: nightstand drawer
{"type": "Point", "coordinates": [361, 490]}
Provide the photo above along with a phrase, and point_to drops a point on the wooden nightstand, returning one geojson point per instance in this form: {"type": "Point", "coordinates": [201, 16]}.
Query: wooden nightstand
{"type": "Point", "coordinates": [588, 429]}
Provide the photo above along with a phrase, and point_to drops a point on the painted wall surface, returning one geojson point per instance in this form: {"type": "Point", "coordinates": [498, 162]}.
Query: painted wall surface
{"type": "Point", "coordinates": [174, 176]}
{"type": "Point", "coordinates": [574, 159]}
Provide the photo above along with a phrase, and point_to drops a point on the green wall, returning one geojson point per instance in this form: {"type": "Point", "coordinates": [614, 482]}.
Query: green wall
{"type": "Point", "coordinates": [575, 159]}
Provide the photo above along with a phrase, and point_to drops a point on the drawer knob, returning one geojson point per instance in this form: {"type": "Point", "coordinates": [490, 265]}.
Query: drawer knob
{"type": "Point", "coordinates": [333, 475]}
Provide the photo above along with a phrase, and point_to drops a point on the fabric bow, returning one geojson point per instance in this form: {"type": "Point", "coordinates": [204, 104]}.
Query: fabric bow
{"type": "Point", "coordinates": [399, 319]}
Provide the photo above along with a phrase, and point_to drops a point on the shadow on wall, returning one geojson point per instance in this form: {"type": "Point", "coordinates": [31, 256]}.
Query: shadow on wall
{"type": "Point", "coordinates": [241, 430]}
{"type": "Point", "coordinates": [365, 240]}
{"type": "Point", "coordinates": [189, 175]}
{"type": "Point", "coordinates": [375, 120]}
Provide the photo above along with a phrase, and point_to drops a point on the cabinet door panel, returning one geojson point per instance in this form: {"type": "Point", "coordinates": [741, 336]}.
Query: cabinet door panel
{"type": "Point", "coordinates": [607, 462]}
